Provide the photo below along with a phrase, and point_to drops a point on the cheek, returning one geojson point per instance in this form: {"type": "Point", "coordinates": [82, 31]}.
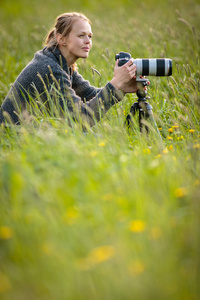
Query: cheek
{"type": "Point", "coordinates": [78, 42]}
{"type": "Point", "coordinates": [73, 43]}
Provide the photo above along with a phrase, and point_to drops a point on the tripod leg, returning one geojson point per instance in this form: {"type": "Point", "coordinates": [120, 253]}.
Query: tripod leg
{"type": "Point", "coordinates": [144, 107]}
{"type": "Point", "coordinates": [141, 118]}
{"type": "Point", "coordinates": [149, 116]}
{"type": "Point", "coordinates": [131, 114]}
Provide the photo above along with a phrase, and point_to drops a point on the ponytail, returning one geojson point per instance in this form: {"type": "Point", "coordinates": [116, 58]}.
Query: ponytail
{"type": "Point", "coordinates": [51, 38]}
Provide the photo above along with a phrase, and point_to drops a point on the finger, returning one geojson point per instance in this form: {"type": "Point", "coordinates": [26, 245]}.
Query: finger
{"type": "Point", "coordinates": [116, 63]}
{"type": "Point", "coordinates": [133, 68]}
{"type": "Point", "coordinates": [133, 71]}
{"type": "Point", "coordinates": [129, 63]}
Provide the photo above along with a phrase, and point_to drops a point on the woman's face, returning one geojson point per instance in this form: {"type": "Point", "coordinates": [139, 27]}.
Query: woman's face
{"type": "Point", "coordinates": [79, 41]}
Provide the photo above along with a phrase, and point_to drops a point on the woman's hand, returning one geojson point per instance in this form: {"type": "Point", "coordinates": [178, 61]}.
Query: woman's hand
{"type": "Point", "coordinates": [130, 86]}
{"type": "Point", "coordinates": [124, 78]}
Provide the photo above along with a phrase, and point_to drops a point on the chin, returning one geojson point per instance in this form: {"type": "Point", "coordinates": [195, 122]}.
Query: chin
{"type": "Point", "coordinates": [85, 54]}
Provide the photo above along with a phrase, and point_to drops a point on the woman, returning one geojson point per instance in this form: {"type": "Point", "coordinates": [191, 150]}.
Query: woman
{"type": "Point", "coordinates": [52, 76]}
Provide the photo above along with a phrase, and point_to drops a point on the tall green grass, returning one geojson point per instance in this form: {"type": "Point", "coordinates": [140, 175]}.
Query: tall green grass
{"type": "Point", "coordinates": [107, 214]}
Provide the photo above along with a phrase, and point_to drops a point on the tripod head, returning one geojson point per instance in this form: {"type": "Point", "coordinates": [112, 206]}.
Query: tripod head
{"type": "Point", "coordinates": [142, 84]}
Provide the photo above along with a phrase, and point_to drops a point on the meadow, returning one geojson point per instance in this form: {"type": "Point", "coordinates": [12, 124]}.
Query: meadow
{"type": "Point", "coordinates": [111, 213]}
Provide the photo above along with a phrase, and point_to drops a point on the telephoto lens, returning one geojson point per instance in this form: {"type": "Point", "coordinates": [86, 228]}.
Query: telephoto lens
{"type": "Point", "coordinates": [149, 66]}
{"type": "Point", "coordinates": [153, 66]}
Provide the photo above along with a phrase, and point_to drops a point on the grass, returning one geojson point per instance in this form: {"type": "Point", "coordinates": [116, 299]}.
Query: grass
{"type": "Point", "coordinates": [107, 214]}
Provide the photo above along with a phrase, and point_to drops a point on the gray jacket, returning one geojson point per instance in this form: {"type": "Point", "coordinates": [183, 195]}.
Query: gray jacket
{"type": "Point", "coordinates": [48, 77]}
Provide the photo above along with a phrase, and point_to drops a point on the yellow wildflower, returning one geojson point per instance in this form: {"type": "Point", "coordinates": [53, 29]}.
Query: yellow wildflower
{"type": "Point", "coordinates": [71, 215]}
{"type": "Point", "coordinates": [170, 130]}
{"type": "Point", "coordinates": [102, 253]}
{"type": "Point", "coordinates": [136, 267]}
{"type": "Point", "coordinates": [93, 153]}
{"type": "Point", "coordinates": [5, 233]}
{"type": "Point", "coordinates": [146, 151]}
{"type": "Point", "coordinates": [196, 146]}
{"type": "Point", "coordinates": [102, 144]}
{"type": "Point", "coordinates": [165, 151]}
{"type": "Point", "coordinates": [5, 284]}
{"type": "Point", "coordinates": [191, 130]}
{"type": "Point", "coordinates": [96, 256]}
{"type": "Point", "coordinates": [47, 248]}
{"type": "Point", "coordinates": [180, 138]}
{"type": "Point", "coordinates": [181, 192]}
{"type": "Point", "coordinates": [169, 138]}
{"type": "Point", "coordinates": [170, 147]}
{"type": "Point", "coordinates": [137, 226]}
{"type": "Point", "coordinates": [155, 233]}
{"type": "Point", "coordinates": [175, 127]}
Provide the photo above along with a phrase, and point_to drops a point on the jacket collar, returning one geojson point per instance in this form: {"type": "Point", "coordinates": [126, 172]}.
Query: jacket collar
{"type": "Point", "coordinates": [55, 53]}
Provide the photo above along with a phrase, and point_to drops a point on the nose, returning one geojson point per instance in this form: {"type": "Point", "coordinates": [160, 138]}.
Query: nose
{"type": "Point", "coordinates": [87, 40]}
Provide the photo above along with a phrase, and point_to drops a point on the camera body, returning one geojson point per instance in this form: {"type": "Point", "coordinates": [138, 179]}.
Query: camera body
{"type": "Point", "coordinates": [147, 67]}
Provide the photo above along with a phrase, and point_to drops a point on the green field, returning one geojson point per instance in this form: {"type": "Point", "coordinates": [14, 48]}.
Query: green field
{"type": "Point", "coordinates": [111, 213]}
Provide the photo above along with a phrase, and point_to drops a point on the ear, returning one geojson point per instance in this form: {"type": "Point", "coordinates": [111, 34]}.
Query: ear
{"type": "Point", "coordinates": [60, 40]}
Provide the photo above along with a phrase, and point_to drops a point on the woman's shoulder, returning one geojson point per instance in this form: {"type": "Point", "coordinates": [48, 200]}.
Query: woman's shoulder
{"type": "Point", "coordinates": [43, 62]}
{"type": "Point", "coordinates": [54, 57]}
{"type": "Point", "coordinates": [44, 57]}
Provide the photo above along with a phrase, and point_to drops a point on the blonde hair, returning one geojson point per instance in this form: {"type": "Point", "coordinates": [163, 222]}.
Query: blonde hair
{"type": "Point", "coordinates": [63, 25]}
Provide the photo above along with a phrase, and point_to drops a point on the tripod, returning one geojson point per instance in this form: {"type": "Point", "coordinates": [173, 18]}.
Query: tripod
{"type": "Point", "coordinates": [143, 107]}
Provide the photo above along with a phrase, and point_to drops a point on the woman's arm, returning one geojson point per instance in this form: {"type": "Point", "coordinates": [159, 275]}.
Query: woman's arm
{"type": "Point", "coordinates": [81, 98]}
{"type": "Point", "coordinates": [83, 88]}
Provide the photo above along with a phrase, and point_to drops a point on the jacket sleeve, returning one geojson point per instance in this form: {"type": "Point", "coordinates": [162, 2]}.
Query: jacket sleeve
{"type": "Point", "coordinates": [82, 99]}
{"type": "Point", "coordinates": [83, 88]}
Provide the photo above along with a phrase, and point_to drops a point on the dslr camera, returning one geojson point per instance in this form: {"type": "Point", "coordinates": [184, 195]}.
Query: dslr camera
{"type": "Point", "coordinates": [147, 67]}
